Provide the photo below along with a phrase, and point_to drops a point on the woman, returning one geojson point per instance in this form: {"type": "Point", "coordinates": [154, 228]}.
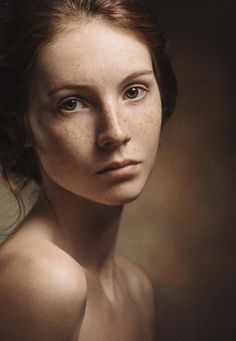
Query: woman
{"type": "Point", "coordinates": [84, 86]}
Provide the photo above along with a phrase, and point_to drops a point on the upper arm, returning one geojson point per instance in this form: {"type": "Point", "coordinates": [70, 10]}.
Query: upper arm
{"type": "Point", "coordinates": [41, 298]}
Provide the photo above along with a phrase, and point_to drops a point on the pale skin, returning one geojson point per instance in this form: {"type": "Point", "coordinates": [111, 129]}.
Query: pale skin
{"type": "Point", "coordinates": [94, 100]}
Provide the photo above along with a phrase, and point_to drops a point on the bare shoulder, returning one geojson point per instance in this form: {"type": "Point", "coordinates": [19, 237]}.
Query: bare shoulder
{"type": "Point", "coordinates": [42, 293]}
{"type": "Point", "coordinates": [142, 292]}
{"type": "Point", "coordinates": [136, 278]}
{"type": "Point", "coordinates": [139, 285]}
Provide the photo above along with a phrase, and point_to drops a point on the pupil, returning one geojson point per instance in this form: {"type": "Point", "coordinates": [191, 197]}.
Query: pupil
{"type": "Point", "coordinates": [132, 93]}
{"type": "Point", "coordinates": [70, 105]}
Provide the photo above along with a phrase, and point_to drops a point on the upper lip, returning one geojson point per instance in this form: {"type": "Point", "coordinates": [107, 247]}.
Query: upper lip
{"type": "Point", "coordinates": [117, 164]}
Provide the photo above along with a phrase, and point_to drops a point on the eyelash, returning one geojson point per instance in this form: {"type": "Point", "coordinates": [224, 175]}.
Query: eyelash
{"type": "Point", "coordinates": [77, 100]}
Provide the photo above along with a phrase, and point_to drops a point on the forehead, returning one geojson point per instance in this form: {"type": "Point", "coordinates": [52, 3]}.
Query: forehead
{"type": "Point", "coordinates": [93, 49]}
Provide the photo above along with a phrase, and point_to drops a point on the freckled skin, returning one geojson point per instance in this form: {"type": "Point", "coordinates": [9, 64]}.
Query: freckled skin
{"type": "Point", "coordinates": [68, 146]}
{"type": "Point", "coordinates": [108, 109]}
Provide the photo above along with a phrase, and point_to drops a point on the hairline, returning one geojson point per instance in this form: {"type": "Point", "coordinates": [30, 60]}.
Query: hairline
{"type": "Point", "coordinates": [73, 22]}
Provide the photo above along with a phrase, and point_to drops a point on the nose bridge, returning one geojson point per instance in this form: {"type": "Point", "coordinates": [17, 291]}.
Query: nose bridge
{"type": "Point", "coordinates": [112, 132]}
{"type": "Point", "coordinates": [111, 116]}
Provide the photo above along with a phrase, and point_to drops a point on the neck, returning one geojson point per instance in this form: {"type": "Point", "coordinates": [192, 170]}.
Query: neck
{"type": "Point", "coordinates": [84, 229]}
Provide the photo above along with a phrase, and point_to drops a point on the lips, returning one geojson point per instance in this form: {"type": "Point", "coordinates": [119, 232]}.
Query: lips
{"type": "Point", "coordinates": [117, 165]}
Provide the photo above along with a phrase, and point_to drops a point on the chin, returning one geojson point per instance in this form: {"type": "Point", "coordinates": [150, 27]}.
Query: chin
{"type": "Point", "coordinates": [122, 196]}
{"type": "Point", "coordinates": [117, 194]}
{"type": "Point", "coordinates": [121, 201]}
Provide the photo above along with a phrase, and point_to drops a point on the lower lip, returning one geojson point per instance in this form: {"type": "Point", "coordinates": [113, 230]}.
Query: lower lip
{"type": "Point", "coordinates": [126, 172]}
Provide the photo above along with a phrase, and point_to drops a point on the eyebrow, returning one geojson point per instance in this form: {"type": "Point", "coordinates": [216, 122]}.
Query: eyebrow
{"type": "Point", "coordinates": [71, 86]}
{"type": "Point", "coordinates": [136, 75]}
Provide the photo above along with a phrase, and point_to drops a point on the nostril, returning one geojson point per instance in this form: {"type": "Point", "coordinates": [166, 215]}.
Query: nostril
{"type": "Point", "coordinates": [109, 142]}
{"type": "Point", "coordinates": [127, 139]}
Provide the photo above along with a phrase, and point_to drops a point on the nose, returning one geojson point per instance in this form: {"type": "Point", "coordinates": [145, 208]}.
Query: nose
{"type": "Point", "coordinates": [112, 133]}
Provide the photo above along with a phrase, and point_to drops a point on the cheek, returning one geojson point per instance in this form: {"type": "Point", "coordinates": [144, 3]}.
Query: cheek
{"type": "Point", "coordinates": [149, 138]}
{"type": "Point", "coordinates": [148, 132]}
{"type": "Point", "coordinates": [59, 135]}
{"type": "Point", "coordinates": [58, 153]}
{"type": "Point", "coordinates": [46, 138]}
{"type": "Point", "coordinates": [60, 145]}
{"type": "Point", "coordinates": [149, 124]}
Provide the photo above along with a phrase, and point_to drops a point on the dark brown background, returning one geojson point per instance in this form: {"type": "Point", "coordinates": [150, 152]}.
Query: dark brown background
{"type": "Point", "coordinates": [181, 230]}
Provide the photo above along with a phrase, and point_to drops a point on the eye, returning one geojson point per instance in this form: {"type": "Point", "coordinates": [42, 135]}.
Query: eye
{"type": "Point", "coordinates": [71, 105]}
{"type": "Point", "coordinates": [135, 92]}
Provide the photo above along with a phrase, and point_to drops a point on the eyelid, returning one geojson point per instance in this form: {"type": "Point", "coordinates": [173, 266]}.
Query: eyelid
{"type": "Point", "coordinates": [69, 98]}
{"type": "Point", "coordinates": [138, 84]}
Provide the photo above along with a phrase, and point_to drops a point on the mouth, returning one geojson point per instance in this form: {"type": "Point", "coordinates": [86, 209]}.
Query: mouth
{"type": "Point", "coordinates": [116, 166]}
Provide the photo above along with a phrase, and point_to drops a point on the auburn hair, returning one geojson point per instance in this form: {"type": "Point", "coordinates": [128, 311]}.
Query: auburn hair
{"type": "Point", "coordinates": [25, 25]}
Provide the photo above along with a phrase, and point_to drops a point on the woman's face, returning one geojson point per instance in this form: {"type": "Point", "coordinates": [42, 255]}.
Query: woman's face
{"type": "Point", "coordinates": [95, 112]}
